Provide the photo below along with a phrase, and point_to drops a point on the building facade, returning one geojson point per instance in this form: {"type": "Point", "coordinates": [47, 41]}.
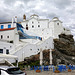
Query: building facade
{"type": "Point", "coordinates": [44, 27]}
{"type": "Point", "coordinates": [10, 43]}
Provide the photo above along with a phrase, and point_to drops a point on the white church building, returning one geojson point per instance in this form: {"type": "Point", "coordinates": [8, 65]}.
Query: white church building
{"type": "Point", "coordinates": [34, 28]}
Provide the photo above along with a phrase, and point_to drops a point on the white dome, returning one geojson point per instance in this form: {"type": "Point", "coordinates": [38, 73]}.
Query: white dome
{"type": "Point", "coordinates": [55, 18]}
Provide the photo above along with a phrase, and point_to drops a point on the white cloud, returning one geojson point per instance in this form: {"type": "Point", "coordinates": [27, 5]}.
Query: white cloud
{"type": "Point", "coordinates": [64, 9]}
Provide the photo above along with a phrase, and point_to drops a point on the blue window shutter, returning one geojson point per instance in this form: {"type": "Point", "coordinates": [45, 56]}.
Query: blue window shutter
{"type": "Point", "coordinates": [9, 26]}
{"type": "Point", "coordinates": [2, 26]}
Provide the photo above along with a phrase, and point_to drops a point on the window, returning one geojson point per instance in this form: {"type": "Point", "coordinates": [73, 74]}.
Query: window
{"type": "Point", "coordinates": [11, 41]}
{"type": "Point", "coordinates": [57, 23]}
{"type": "Point", "coordinates": [2, 26]}
{"type": "Point", "coordinates": [9, 26]}
{"type": "Point", "coordinates": [32, 26]}
{"type": "Point", "coordinates": [64, 28]}
{"type": "Point", "coordinates": [7, 51]}
{"type": "Point", "coordinates": [26, 26]}
{"type": "Point", "coordinates": [31, 49]}
{"type": "Point", "coordinates": [10, 46]}
{"type": "Point", "coordinates": [38, 25]}
{"type": "Point", "coordinates": [1, 50]}
{"type": "Point", "coordinates": [7, 36]}
{"type": "Point", "coordinates": [1, 36]}
{"type": "Point", "coordinates": [32, 22]}
{"type": "Point", "coordinates": [38, 49]}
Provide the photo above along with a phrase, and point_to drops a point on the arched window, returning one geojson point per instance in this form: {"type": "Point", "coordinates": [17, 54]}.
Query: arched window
{"type": "Point", "coordinates": [57, 23]}
{"type": "Point", "coordinates": [7, 36]}
{"type": "Point", "coordinates": [32, 26]}
{"type": "Point", "coordinates": [38, 25]}
{"type": "Point", "coordinates": [26, 26]}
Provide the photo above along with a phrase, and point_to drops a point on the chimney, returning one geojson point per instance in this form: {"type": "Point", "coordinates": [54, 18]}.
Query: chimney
{"type": "Point", "coordinates": [15, 18]}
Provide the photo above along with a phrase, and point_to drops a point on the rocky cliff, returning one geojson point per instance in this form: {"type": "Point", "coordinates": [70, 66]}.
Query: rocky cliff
{"type": "Point", "coordinates": [63, 53]}
{"type": "Point", "coordinates": [64, 49]}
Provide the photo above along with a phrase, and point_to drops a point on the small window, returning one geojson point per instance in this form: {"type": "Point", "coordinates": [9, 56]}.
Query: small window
{"type": "Point", "coordinates": [26, 25]}
{"type": "Point", "coordinates": [38, 25]}
{"type": "Point", "coordinates": [2, 26]}
{"type": "Point", "coordinates": [9, 26]}
{"type": "Point", "coordinates": [10, 46]}
{"type": "Point", "coordinates": [7, 36]}
{"type": "Point", "coordinates": [38, 49]}
{"type": "Point", "coordinates": [7, 51]}
{"type": "Point", "coordinates": [32, 22]}
{"type": "Point", "coordinates": [64, 28]}
{"type": "Point", "coordinates": [32, 26]}
{"type": "Point", "coordinates": [31, 49]}
{"type": "Point", "coordinates": [1, 50]}
{"type": "Point", "coordinates": [57, 23]}
{"type": "Point", "coordinates": [1, 36]}
{"type": "Point", "coordinates": [11, 41]}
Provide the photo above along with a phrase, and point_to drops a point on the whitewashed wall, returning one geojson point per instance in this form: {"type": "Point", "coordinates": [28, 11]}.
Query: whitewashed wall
{"type": "Point", "coordinates": [13, 35]}
{"type": "Point", "coordinates": [4, 45]}
{"type": "Point", "coordinates": [58, 29]}
{"type": "Point", "coordinates": [41, 22]}
{"type": "Point", "coordinates": [32, 49]}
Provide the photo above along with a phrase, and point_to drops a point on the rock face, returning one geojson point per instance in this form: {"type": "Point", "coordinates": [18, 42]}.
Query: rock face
{"type": "Point", "coordinates": [64, 52]}
{"type": "Point", "coordinates": [64, 49]}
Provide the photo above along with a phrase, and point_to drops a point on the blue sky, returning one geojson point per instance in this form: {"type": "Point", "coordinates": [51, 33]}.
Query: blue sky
{"type": "Point", "coordinates": [63, 9]}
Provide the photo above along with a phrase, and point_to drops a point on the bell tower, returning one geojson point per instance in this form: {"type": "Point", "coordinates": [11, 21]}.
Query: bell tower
{"type": "Point", "coordinates": [24, 17]}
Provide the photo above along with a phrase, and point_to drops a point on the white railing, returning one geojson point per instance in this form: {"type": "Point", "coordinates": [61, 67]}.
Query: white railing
{"type": "Point", "coordinates": [21, 46]}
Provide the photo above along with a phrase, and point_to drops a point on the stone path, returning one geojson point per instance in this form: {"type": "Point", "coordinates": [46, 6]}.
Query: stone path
{"type": "Point", "coordinates": [50, 73]}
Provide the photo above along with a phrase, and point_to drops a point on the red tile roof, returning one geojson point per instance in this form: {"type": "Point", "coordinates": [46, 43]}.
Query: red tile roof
{"type": "Point", "coordinates": [7, 29]}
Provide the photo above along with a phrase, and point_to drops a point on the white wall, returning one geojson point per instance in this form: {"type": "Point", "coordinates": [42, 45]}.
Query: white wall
{"type": "Point", "coordinates": [13, 35]}
{"type": "Point", "coordinates": [32, 49]}
{"type": "Point", "coordinates": [6, 33]}
{"type": "Point", "coordinates": [66, 31]}
{"type": "Point", "coordinates": [41, 22]}
{"type": "Point", "coordinates": [5, 46]}
{"type": "Point", "coordinates": [58, 29]}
